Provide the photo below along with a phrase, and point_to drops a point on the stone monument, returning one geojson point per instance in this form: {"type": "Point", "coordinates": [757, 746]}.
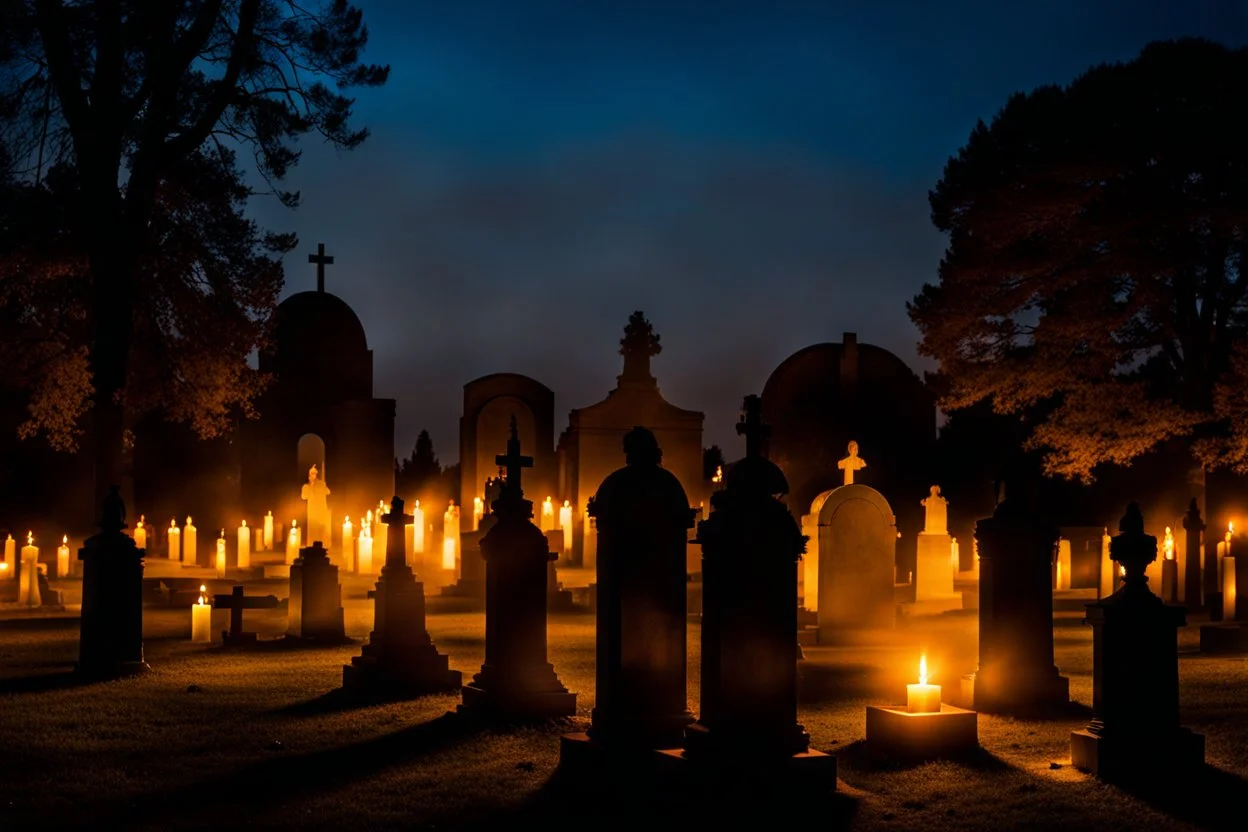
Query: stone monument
{"type": "Point", "coordinates": [1193, 545]}
{"type": "Point", "coordinates": [643, 519]}
{"type": "Point", "coordinates": [1135, 733]}
{"type": "Point", "coordinates": [933, 568]}
{"type": "Point", "coordinates": [516, 682]}
{"type": "Point", "coordinates": [316, 493]}
{"type": "Point", "coordinates": [852, 571]}
{"type": "Point", "coordinates": [400, 658]}
{"type": "Point", "coordinates": [111, 641]}
{"type": "Point", "coordinates": [851, 463]}
{"type": "Point", "coordinates": [1016, 671]}
{"type": "Point", "coordinates": [748, 725]}
{"type": "Point", "coordinates": [315, 597]}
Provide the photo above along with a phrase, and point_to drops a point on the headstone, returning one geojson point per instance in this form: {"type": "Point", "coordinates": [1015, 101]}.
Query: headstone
{"type": "Point", "coordinates": [516, 682]}
{"type": "Point", "coordinates": [400, 658]}
{"type": "Point", "coordinates": [29, 593]}
{"type": "Point", "coordinates": [857, 556]}
{"type": "Point", "coordinates": [933, 568]}
{"type": "Point", "coordinates": [236, 602]}
{"type": "Point", "coordinates": [471, 583]}
{"type": "Point", "coordinates": [1135, 734]}
{"type": "Point", "coordinates": [750, 546]}
{"type": "Point", "coordinates": [1016, 671]}
{"type": "Point", "coordinates": [316, 493]}
{"type": "Point", "coordinates": [111, 640]}
{"type": "Point", "coordinates": [1194, 545]}
{"type": "Point", "coordinates": [315, 597]}
{"type": "Point", "coordinates": [643, 518]}
{"type": "Point", "coordinates": [851, 463]}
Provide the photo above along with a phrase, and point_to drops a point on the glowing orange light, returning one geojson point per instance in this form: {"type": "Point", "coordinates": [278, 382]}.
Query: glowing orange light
{"type": "Point", "coordinates": [202, 598]}
{"type": "Point", "coordinates": [719, 474]}
{"type": "Point", "coordinates": [1168, 545]}
{"type": "Point", "coordinates": [30, 538]}
{"type": "Point", "coordinates": [923, 669]}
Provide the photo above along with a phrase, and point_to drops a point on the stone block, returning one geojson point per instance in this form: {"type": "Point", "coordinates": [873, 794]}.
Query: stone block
{"type": "Point", "coordinates": [896, 732]}
{"type": "Point", "coordinates": [1162, 756]}
{"type": "Point", "coordinates": [1224, 637]}
{"type": "Point", "coordinates": [807, 772]}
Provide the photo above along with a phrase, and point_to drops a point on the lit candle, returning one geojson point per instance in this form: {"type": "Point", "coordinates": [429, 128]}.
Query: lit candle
{"type": "Point", "coordinates": [174, 541]}
{"type": "Point", "coordinates": [1228, 588]}
{"type": "Point", "coordinates": [364, 559]}
{"type": "Point", "coordinates": [140, 534]}
{"type": "Point", "coordinates": [10, 558]}
{"type": "Point", "coordinates": [201, 618]}
{"type": "Point", "coordinates": [409, 542]}
{"type": "Point", "coordinates": [450, 536]}
{"type": "Point", "coordinates": [28, 589]}
{"type": "Point", "coordinates": [1167, 546]}
{"type": "Point", "coordinates": [244, 546]}
{"type": "Point", "coordinates": [221, 555]}
{"type": "Point", "coordinates": [923, 698]}
{"type": "Point", "coordinates": [418, 534]}
{"type": "Point", "coordinates": [565, 523]}
{"type": "Point", "coordinates": [268, 532]}
{"type": "Point", "coordinates": [62, 557]}
{"type": "Point", "coordinates": [379, 530]}
{"type": "Point", "coordinates": [292, 542]}
{"type": "Point", "coordinates": [348, 543]}
{"type": "Point", "coordinates": [190, 543]}
{"type": "Point", "coordinates": [1169, 570]}
{"type": "Point", "coordinates": [548, 515]}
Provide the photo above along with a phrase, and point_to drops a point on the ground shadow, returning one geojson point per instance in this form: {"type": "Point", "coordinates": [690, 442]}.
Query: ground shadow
{"type": "Point", "coordinates": [45, 682]}
{"type": "Point", "coordinates": [819, 682]}
{"type": "Point", "coordinates": [860, 756]}
{"type": "Point", "coordinates": [341, 699]}
{"type": "Point", "coordinates": [1208, 797]}
{"type": "Point", "coordinates": [283, 644]}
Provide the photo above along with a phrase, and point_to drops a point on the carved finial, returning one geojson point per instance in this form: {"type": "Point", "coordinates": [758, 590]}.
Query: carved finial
{"type": "Point", "coordinates": [1134, 550]}
{"type": "Point", "coordinates": [513, 461]}
{"type": "Point", "coordinates": [641, 448]}
{"type": "Point", "coordinates": [113, 510]}
{"type": "Point", "coordinates": [638, 346]}
{"type": "Point", "coordinates": [1132, 521]}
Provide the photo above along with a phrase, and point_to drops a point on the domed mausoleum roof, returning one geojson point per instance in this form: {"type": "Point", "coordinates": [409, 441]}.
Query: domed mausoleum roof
{"type": "Point", "coordinates": [316, 321]}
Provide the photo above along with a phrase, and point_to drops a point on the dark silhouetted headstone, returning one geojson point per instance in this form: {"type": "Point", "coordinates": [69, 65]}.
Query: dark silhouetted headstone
{"type": "Point", "coordinates": [1016, 671]}
{"type": "Point", "coordinates": [1135, 733]}
{"type": "Point", "coordinates": [111, 641]}
{"type": "Point", "coordinates": [236, 602]}
{"type": "Point", "coordinates": [471, 583]}
{"type": "Point", "coordinates": [750, 547]}
{"type": "Point", "coordinates": [1194, 545]}
{"type": "Point", "coordinates": [516, 682]}
{"type": "Point", "coordinates": [400, 658]}
{"type": "Point", "coordinates": [315, 597]}
{"type": "Point", "coordinates": [643, 527]}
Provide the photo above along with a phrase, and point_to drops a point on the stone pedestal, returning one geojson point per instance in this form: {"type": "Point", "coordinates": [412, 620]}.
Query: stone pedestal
{"type": "Point", "coordinates": [933, 577]}
{"type": "Point", "coordinates": [1135, 671]}
{"type": "Point", "coordinates": [111, 641]}
{"type": "Point", "coordinates": [895, 732]}
{"type": "Point", "coordinates": [315, 597]}
{"type": "Point", "coordinates": [400, 658]}
{"type": "Point", "coordinates": [1224, 637]}
{"type": "Point", "coordinates": [1016, 672]}
{"type": "Point", "coordinates": [516, 682]}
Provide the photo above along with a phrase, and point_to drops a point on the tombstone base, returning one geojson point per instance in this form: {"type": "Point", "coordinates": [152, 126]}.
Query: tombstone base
{"type": "Point", "coordinates": [111, 670]}
{"type": "Point", "coordinates": [808, 636]}
{"type": "Point", "coordinates": [229, 639]}
{"type": "Point", "coordinates": [415, 672]}
{"type": "Point", "coordinates": [560, 600]}
{"type": "Point", "coordinates": [1224, 637]}
{"type": "Point", "coordinates": [793, 773]}
{"type": "Point", "coordinates": [895, 732]}
{"type": "Point", "coordinates": [1136, 758]}
{"type": "Point", "coordinates": [584, 758]}
{"type": "Point", "coordinates": [533, 693]}
{"type": "Point", "coordinates": [465, 589]}
{"type": "Point", "coordinates": [1020, 694]}
{"type": "Point", "coordinates": [933, 605]}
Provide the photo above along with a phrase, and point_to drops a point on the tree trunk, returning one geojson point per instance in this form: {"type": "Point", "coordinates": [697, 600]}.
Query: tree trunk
{"type": "Point", "coordinates": [112, 307]}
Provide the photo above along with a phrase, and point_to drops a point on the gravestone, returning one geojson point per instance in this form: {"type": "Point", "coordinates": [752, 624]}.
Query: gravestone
{"type": "Point", "coordinates": [857, 559]}
{"type": "Point", "coordinates": [1016, 672]}
{"type": "Point", "coordinates": [516, 682]}
{"type": "Point", "coordinates": [1135, 734]}
{"type": "Point", "coordinates": [236, 602]}
{"type": "Point", "coordinates": [933, 568]}
{"type": "Point", "coordinates": [1194, 545]}
{"type": "Point", "coordinates": [400, 658]}
{"type": "Point", "coordinates": [748, 725]}
{"type": "Point", "coordinates": [643, 519]}
{"type": "Point", "coordinates": [315, 597]}
{"type": "Point", "coordinates": [111, 636]}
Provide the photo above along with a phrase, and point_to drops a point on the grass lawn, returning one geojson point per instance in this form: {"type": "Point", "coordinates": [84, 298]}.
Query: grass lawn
{"type": "Point", "coordinates": [239, 738]}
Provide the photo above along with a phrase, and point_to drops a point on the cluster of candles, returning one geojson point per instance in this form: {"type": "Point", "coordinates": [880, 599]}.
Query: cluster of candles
{"type": "Point", "coordinates": [30, 554]}
{"type": "Point", "coordinates": [565, 521]}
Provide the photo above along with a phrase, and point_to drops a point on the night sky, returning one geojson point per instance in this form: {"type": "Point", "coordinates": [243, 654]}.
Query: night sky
{"type": "Point", "coordinates": [753, 175]}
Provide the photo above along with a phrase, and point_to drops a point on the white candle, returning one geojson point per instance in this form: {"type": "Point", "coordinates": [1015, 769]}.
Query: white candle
{"type": "Point", "coordinates": [348, 544]}
{"type": "Point", "coordinates": [221, 555]}
{"type": "Point", "coordinates": [548, 515]}
{"type": "Point", "coordinates": [140, 534]}
{"type": "Point", "coordinates": [244, 546]}
{"type": "Point", "coordinates": [380, 531]}
{"type": "Point", "coordinates": [268, 532]}
{"type": "Point", "coordinates": [478, 511]}
{"type": "Point", "coordinates": [174, 541]}
{"type": "Point", "coordinates": [923, 698]}
{"type": "Point", "coordinates": [62, 557]}
{"type": "Point", "coordinates": [9, 569]}
{"type": "Point", "coordinates": [292, 542]}
{"type": "Point", "coordinates": [1228, 588]}
{"type": "Point", "coordinates": [450, 536]}
{"type": "Point", "coordinates": [418, 534]}
{"type": "Point", "coordinates": [364, 558]}
{"type": "Point", "coordinates": [28, 589]}
{"type": "Point", "coordinates": [409, 541]}
{"type": "Point", "coordinates": [565, 523]}
{"type": "Point", "coordinates": [201, 618]}
{"type": "Point", "coordinates": [190, 543]}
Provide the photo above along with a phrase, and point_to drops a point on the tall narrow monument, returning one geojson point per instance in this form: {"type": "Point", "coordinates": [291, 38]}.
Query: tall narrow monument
{"type": "Point", "coordinates": [111, 640]}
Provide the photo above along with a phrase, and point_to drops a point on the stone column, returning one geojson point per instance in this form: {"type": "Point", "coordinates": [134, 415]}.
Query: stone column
{"type": "Point", "coordinates": [111, 640]}
{"type": "Point", "coordinates": [1193, 545]}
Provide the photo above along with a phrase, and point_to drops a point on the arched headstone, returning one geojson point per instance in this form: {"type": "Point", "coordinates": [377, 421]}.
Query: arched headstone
{"type": "Point", "coordinates": [857, 559]}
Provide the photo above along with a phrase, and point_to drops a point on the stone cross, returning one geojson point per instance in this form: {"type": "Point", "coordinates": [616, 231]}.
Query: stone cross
{"type": "Point", "coordinates": [513, 462]}
{"type": "Point", "coordinates": [751, 425]}
{"type": "Point", "coordinates": [321, 260]}
{"type": "Point", "coordinates": [396, 541]}
{"type": "Point", "coordinates": [851, 463]}
{"type": "Point", "coordinates": [236, 602]}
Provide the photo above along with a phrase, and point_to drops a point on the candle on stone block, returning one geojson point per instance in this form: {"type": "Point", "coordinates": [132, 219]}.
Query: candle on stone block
{"type": "Point", "coordinates": [565, 524]}
{"type": "Point", "coordinates": [292, 542]}
{"type": "Point", "coordinates": [62, 557]}
{"type": "Point", "coordinates": [548, 515]}
{"type": "Point", "coordinates": [418, 534]}
{"type": "Point", "coordinates": [221, 555]}
{"type": "Point", "coordinates": [364, 558]}
{"type": "Point", "coordinates": [268, 531]}
{"type": "Point", "coordinates": [174, 540]}
{"type": "Point", "coordinates": [201, 618]}
{"type": "Point", "coordinates": [450, 537]}
{"type": "Point", "coordinates": [140, 534]}
{"type": "Point", "coordinates": [923, 698]}
{"type": "Point", "coordinates": [244, 546]}
{"type": "Point", "coordinates": [478, 511]}
{"type": "Point", "coordinates": [190, 543]}
{"type": "Point", "coordinates": [348, 543]}
{"type": "Point", "coordinates": [9, 568]}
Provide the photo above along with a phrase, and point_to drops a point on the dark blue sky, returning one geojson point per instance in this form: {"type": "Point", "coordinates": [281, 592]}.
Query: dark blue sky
{"type": "Point", "coordinates": [752, 174]}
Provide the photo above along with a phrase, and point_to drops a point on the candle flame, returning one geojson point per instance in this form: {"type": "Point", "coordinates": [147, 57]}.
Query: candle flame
{"type": "Point", "coordinates": [719, 474]}
{"type": "Point", "coordinates": [64, 539]}
{"type": "Point", "coordinates": [270, 514]}
{"type": "Point", "coordinates": [1230, 530]}
{"type": "Point", "coordinates": [294, 523]}
{"type": "Point", "coordinates": [4, 566]}
{"type": "Point", "coordinates": [173, 523]}
{"type": "Point", "coordinates": [1168, 544]}
{"type": "Point", "coordinates": [566, 504]}
{"type": "Point", "coordinates": [244, 524]}
{"type": "Point", "coordinates": [417, 504]}
{"type": "Point", "coordinates": [202, 599]}
{"type": "Point", "coordinates": [923, 669]}
{"type": "Point", "coordinates": [30, 538]}
{"type": "Point", "coordinates": [141, 516]}
{"type": "Point", "coordinates": [188, 519]}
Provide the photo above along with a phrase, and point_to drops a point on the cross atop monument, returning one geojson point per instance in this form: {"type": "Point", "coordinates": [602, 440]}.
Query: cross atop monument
{"type": "Point", "coordinates": [321, 260]}
{"type": "Point", "coordinates": [751, 425]}
{"type": "Point", "coordinates": [513, 462]}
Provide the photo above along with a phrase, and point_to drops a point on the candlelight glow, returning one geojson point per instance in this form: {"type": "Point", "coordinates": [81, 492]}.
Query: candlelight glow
{"type": "Point", "coordinates": [64, 539]}
{"type": "Point", "coordinates": [30, 538]}
{"type": "Point", "coordinates": [923, 698]}
{"type": "Point", "coordinates": [202, 598]}
{"type": "Point", "coordinates": [1168, 544]}
{"type": "Point", "coordinates": [719, 474]}
{"type": "Point", "coordinates": [923, 669]}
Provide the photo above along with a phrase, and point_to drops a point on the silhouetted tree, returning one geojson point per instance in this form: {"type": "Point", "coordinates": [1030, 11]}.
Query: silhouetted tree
{"type": "Point", "coordinates": [142, 105]}
{"type": "Point", "coordinates": [1094, 269]}
{"type": "Point", "coordinates": [419, 470]}
{"type": "Point", "coordinates": [712, 458]}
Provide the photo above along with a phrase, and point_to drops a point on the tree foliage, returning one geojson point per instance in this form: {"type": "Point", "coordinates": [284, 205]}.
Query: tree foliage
{"type": "Point", "coordinates": [123, 119]}
{"type": "Point", "coordinates": [415, 474]}
{"type": "Point", "coordinates": [1094, 275]}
